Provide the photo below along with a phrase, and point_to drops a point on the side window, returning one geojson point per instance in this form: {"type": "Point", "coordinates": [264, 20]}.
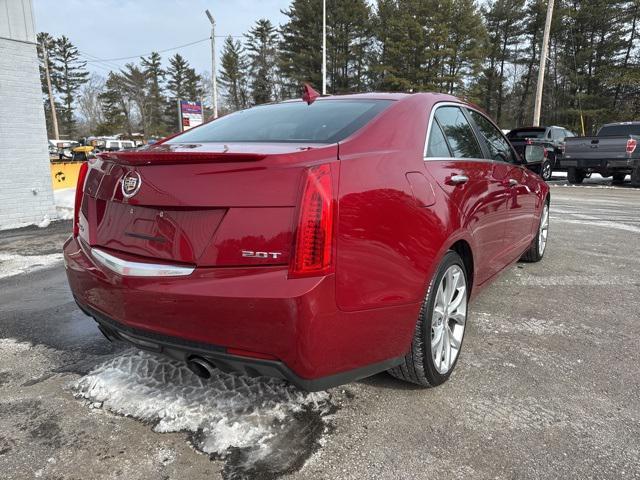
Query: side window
{"type": "Point", "coordinates": [458, 132]}
{"type": "Point", "coordinates": [557, 133]}
{"type": "Point", "coordinates": [499, 147]}
{"type": "Point", "coordinates": [437, 146]}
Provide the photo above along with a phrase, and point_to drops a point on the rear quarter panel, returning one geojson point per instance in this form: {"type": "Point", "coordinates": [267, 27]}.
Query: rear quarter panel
{"type": "Point", "coordinates": [388, 243]}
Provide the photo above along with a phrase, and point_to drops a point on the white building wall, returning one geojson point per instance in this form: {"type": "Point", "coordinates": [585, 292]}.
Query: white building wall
{"type": "Point", "coordinates": [26, 195]}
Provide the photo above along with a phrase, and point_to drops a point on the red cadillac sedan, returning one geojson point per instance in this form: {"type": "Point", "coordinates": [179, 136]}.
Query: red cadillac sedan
{"type": "Point", "coordinates": [319, 242]}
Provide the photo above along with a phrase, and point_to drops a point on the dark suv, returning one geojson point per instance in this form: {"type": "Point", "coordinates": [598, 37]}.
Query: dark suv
{"type": "Point", "coordinates": [551, 138]}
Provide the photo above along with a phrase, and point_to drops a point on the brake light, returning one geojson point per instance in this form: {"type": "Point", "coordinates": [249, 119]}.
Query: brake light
{"type": "Point", "coordinates": [632, 143]}
{"type": "Point", "coordinates": [312, 254]}
{"type": "Point", "coordinates": [82, 176]}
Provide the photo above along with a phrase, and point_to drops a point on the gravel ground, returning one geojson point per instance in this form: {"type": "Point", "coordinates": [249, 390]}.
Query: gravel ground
{"type": "Point", "coordinates": [547, 386]}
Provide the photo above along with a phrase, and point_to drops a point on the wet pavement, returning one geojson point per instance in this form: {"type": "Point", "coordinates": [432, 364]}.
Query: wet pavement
{"type": "Point", "coordinates": [547, 385]}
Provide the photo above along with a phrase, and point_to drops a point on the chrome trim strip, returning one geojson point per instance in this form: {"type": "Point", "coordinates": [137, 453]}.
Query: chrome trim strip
{"type": "Point", "coordinates": [137, 269]}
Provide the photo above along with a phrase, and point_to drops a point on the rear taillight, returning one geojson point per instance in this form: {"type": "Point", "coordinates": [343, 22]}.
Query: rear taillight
{"type": "Point", "coordinates": [82, 176]}
{"type": "Point", "coordinates": [632, 143]}
{"type": "Point", "coordinates": [312, 255]}
{"type": "Point", "coordinates": [528, 141]}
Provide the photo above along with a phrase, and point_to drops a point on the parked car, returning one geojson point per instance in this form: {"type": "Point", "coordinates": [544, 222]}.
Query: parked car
{"type": "Point", "coordinates": [316, 242]}
{"type": "Point", "coordinates": [551, 138]}
{"type": "Point", "coordinates": [117, 145]}
{"type": "Point", "coordinates": [613, 152]}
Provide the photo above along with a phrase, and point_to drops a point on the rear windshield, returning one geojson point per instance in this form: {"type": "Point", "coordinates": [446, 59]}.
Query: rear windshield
{"type": "Point", "coordinates": [528, 133]}
{"type": "Point", "coordinates": [619, 130]}
{"type": "Point", "coordinates": [324, 121]}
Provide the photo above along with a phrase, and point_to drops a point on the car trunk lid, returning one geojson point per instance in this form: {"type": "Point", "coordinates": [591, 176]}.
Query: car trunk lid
{"type": "Point", "coordinates": [204, 205]}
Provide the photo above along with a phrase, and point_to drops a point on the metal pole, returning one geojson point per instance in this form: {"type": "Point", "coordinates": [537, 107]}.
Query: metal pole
{"type": "Point", "coordinates": [543, 62]}
{"type": "Point", "coordinates": [324, 47]}
{"type": "Point", "coordinates": [214, 80]}
{"type": "Point", "coordinates": [52, 102]}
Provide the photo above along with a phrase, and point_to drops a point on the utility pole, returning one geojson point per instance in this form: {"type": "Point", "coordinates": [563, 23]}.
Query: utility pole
{"type": "Point", "coordinates": [543, 63]}
{"type": "Point", "coordinates": [52, 102]}
{"type": "Point", "coordinates": [214, 80]}
{"type": "Point", "coordinates": [324, 47]}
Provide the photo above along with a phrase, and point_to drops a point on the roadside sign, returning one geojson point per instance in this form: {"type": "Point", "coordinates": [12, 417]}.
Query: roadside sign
{"type": "Point", "coordinates": [191, 114]}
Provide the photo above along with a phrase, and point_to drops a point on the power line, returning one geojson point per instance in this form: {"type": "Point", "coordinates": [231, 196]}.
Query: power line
{"type": "Point", "coordinates": [94, 59]}
{"type": "Point", "coordinates": [145, 54]}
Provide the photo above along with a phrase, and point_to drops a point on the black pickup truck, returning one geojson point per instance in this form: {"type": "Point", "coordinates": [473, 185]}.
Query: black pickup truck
{"type": "Point", "coordinates": [551, 138]}
{"type": "Point", "coordinates": [613, 152]}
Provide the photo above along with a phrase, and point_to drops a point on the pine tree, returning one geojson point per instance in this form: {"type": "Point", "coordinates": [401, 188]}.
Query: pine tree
{"type": "Point", "coordinates": [155, 74]}
{"type": "Point", "coordinates": [505, 27]}
{"type": "Point", "coordinates": [135, 87]}
{"type": "Point", "coordinates": [116, 107]}
{"type": "Point", "coordinates": [349, 35]}
{"type": "Point", "coordinates": [193, 86]}
{"type": "Point", "coordinates": [261, 43]}
{"type": "Point", "coordinates": [233, 75]}
{"type": "Point", "coordinates": [300, 59]}
{"type": "Point", "coordinates": [177, 78]}
{"type": "Point", "coordinates": [68, 75]}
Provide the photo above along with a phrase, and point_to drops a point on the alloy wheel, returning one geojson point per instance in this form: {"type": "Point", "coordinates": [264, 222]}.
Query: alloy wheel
{"type": "Point", "coordinates": [544, 230]}
{"type": "Point", "coordinates": [449, 319]}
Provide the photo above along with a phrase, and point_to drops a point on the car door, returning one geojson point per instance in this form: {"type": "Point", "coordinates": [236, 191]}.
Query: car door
{"type": "Point", "coordinates": [456, 160]}
{"type": "Point", "coordinates": [520, 197]}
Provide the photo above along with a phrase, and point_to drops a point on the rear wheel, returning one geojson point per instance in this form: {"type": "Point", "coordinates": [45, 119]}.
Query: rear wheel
{"type": "Point", "coordinates": [546, 170]}
{"type": "Point", "coordinates": [575, 175]}
{"type": "Point", "coordinates": [618, 178]}
{"type": "Point", "coordinates": [635, 176]}
{"type": "Point", "coordinates": [440, 328]}
{"type": "Point", "coordinates": [539, 243]}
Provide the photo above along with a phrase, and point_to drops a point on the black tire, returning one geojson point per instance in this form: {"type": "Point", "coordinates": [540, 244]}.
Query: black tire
{"type": "Point", "coordinates": [618, 178]}
{"type": "Point", "coordinates": [575, 176]}
{"type": "Point", "coordinates": [546, 170]}
{"type": "Point", "coordinates": [533, 254]}
{"type": "Point", "coordinates": [635, 176]}
{"type": "Point", "coordinates": [418, 366]}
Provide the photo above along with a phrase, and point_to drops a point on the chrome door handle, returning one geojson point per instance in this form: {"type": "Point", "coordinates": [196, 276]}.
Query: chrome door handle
{"type": "Point", "coordinates": [458, 179]}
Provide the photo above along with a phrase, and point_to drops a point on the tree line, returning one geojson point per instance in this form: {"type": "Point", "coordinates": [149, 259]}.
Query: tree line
{"type": "Point", "coordinates": [487, 52]}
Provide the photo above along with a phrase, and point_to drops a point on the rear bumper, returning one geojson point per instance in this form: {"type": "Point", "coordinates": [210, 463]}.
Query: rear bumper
{"type": "Point", "coordinates": [600, 164]}
{"type": "Point", "coordinates": [288, 328]}
{"type": "Point", "coordinates": [181, 350]}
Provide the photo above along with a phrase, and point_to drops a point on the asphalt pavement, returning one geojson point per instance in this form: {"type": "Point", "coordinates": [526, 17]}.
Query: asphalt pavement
{"type": "Point", "coordinates": [547, 385]}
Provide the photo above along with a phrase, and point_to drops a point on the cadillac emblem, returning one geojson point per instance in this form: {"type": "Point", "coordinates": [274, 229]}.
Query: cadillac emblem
{"type": "Point", "coordinates": [130, 184]}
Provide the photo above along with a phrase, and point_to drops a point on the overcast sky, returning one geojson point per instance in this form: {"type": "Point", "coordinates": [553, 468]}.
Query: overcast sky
{"type": "Point", "coordinates": [108, 29]}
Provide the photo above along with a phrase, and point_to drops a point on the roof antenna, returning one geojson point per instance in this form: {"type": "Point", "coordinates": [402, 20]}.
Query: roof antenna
{"type": "Point", "coordinates": [309, 95]}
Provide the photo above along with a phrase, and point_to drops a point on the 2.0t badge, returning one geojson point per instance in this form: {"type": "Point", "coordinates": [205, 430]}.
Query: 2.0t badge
{"type": "Point", "coordinates": [130, 184]}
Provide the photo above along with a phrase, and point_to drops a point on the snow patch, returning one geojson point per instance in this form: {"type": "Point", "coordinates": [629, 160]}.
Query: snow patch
{"type": "Point", "coordinates": [15, 264]}
{"type": "Point", "coordinates": [260, 426]}
{"type": "Point", "coordinates": [64, 200]}
{"type": "Point", "coordinates": [600, 223]}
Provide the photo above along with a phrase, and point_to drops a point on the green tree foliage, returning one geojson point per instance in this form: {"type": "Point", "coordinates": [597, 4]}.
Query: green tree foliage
{"type": "Point", "coordinates": [487, 51]}
{"type": "Point", "coordinates": [155, 75]}
{"type": "Point", "coordinates": [233, 75]}
{"type": "Point", "coordinates": [261, 44]}
{"type": "Point", "coordinates": [116, 107]}
{"type": "Point", "coordinates": [68, 74]}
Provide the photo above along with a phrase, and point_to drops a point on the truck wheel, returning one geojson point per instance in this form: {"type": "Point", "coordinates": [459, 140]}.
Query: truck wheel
{"type": "Point", "coordinates": [546, 170]}
{"type": "Point", "coordinates": [635, 176]}
{"type": "Point", "coordinates": [618, 178]}
{"type": "Point", "coordinates": [439, 331]}
{"type": "Point", "coordinates": [575, 176]}
{"type": "Point", "coordinates": [539, 243]}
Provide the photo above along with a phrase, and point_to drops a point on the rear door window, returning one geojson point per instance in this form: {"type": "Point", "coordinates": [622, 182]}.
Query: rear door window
{"type": "Point", "coordinates": [437, 146]}
{"type": "Point", "coordinates": [324, 121]}
{"type": "Point", "coordinates": [458, 132]}
{"type": "Point", "coordinates": [499, 147]}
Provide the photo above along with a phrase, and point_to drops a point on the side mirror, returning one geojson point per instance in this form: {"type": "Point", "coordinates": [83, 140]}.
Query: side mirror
{"type": "Point", "coordinates": [533, 154]}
